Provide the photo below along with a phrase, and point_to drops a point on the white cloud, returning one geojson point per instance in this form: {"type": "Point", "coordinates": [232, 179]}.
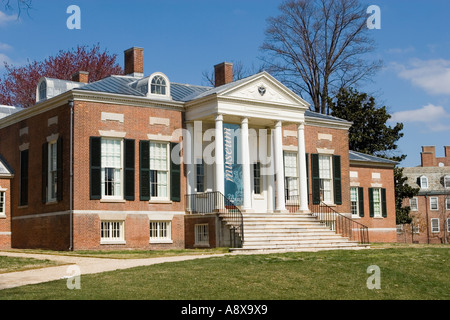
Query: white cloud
{"type": "Point", "coordinates": [435, 118]}
{"type": "Point", "coordinates": [431, 75]}
{"type": "Point", "coordinates": [5, 47]}
{"type": "Point", "coordinates": [4, 18]}
{"type": "Point", "coordinates": [401, 50]}
{"type": "Point", "coordinates": [4, 58]}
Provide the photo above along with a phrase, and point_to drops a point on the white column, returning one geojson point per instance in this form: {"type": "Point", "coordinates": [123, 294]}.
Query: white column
{"type": "Point", "coordinates": [302, 168]}
{"type": "Point", "coordinates": [189, 159]}
{"type": "Point", "coordinates": [280, 205]}
{"type": "Point", "coordinates": [245, 152]}
{"type": "Point", "coordinates": [218, 147]}
{"type": "Point", "coordinates": [270, 173]}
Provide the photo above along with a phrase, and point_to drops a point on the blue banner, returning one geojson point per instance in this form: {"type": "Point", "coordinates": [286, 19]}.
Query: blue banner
{"type": "Point", "coordinates": [232, 163]}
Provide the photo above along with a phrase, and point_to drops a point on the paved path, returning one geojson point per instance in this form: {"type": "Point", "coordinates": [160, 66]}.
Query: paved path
{"type": "Point", "coordinates": [86, 265]}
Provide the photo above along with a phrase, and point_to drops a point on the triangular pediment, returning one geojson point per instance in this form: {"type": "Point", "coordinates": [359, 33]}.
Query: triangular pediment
{"type": "Point", "coordinates": [264, 88]}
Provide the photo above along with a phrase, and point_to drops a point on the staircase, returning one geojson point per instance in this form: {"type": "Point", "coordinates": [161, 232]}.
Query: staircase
{"type": "Point", "coordinates": [290, 232]}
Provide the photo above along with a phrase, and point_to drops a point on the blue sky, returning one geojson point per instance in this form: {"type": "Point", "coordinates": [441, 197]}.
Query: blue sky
{"type": "Point", "coordinates": [183, 38]}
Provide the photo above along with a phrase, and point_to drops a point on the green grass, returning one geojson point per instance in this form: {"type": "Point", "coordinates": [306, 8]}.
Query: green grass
{"type": "Point", "coordinates": [406, 273]}
{"type": "Point", "coordinates": [126, 254]}
{"type": "Point", "coordinates": [12, 264]}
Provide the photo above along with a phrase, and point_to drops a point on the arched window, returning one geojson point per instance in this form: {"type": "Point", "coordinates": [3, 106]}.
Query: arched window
{"type": "Point", "coordinates": [43, 90]}
{"type": "Point", "coordinates": [158, 85]}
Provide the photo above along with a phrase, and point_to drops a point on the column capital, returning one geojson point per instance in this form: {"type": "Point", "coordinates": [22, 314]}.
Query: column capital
{"type": "Point", "coordinates": [244, 120]}
{"type": "Point", "coordinates": [218, 117]}
{"type": "Point", "coordinates": [301, 125]}
{"type": "Point", "coordinates": [278, 124]}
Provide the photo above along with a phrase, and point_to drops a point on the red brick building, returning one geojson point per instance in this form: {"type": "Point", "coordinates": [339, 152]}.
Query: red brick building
{"type": "Point", "coordinates": [430, 209]}
{"type": "Point", "coordinates": [128, 161]}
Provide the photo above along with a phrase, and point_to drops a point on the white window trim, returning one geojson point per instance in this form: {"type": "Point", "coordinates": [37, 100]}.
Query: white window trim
{"type": "Point", "coordinates": [437, 204]}
{"type": "Point", "coordinates": [119, 197]}
{"type": "Point", "coordinates": [417, 204]}
{"type": "Point", "coordinates": [166, 96]}
{"type": "Point", "coordinates": [421, 183]}
{"type": "Point", "coordinates": [109, 240]}
{"type": "Point", "coordinates": [448, 224]}
{"type": "Point", "coordinates": [158, 238]}
{"type": "Point", "coordinates": [380, 211]}
{"type": "Point", "coordinates": [165, 199]}
{"type": "Point", "coordinates": [447, 203]}
{"type": "Point", "coordinates": [330, 159]}
{"type": "Point", "coordinates": [3, 213]}
{"type": "Point", "coordinates": [356, 215]}
{"type": "Point", "coordinates": [445, 184]}
{"type": "Point", "coordinates": [438, 227]}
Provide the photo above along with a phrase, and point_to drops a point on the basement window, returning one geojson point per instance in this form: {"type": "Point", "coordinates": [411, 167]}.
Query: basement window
{"type": "Point", "coordinates": [112, 232]}
{"type": "Point", "coordinates": [202, 234]}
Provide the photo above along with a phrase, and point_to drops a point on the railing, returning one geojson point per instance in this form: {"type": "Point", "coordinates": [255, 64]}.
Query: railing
{"type": "Point", "coordinates": [292, 203]}
{"type": "Point", "coordinates": [341, 224]}
{"type": "Point", "coordinates": [216, 202]}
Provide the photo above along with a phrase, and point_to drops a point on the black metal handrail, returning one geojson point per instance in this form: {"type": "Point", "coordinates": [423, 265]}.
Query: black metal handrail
{"type": "Point", "coordinates": [341, 224]}
{"type": "Point", "coordinates": [216, 202]}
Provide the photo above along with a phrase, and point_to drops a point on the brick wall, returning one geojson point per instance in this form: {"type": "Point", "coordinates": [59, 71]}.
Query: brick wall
{"type": "Point", "coordinates": [137, 125]}
{"type": "Point", "coordinates": [5, 222]}
{"type": "Point", "coordinates": [37, 224]}
{"type": "Point", "coordinates": [380, 229]}
{"type": "Point", "coordinates": [333, 140]}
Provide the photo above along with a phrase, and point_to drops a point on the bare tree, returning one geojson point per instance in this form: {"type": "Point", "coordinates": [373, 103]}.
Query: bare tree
{"type": "Point", "coordinates": [317, 46]}
{"type": "Point", "coordinates": [18, 5]}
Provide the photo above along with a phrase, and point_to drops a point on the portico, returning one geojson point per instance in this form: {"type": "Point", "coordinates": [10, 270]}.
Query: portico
{"type": "Point", "coordinates": [234, 144]}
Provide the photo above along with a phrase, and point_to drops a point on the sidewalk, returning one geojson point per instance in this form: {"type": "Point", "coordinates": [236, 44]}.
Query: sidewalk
{"type": "Point", "coordinates": [86, 265]}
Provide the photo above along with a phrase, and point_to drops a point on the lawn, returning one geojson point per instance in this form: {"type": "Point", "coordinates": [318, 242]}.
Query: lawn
{"type": "Point", "coordinates": [418, 273]}
{"type": "Point", "coordinates": [12, 264]}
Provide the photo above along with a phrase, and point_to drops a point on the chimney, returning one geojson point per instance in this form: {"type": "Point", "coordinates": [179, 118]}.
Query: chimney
{"type": "Point", "coordinates": [223, 73]}
{"type": "Point", "coordinates": [428, 156]}
{"type": "Point", "coordinates": [81, 76]}
{"type": "Point", "coordinates": [134, 62]}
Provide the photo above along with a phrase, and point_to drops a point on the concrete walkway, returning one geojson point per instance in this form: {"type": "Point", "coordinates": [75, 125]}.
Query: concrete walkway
{"type": "Point", "coordinates": [86, 266]}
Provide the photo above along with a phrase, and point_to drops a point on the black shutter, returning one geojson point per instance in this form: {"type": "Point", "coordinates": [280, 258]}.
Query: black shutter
{"type": "Point", "coordinates": [129, 160]}
{"type": "Point", "coordinates": [315, 178]}
{"type": "Point", "coordinates": [371, 202]}
{"type": "Point", "coordinates": [44, 172]}
{"type": "Point", "coordinates": [95, 151]}
{"type": "Point", "coordinates": [59, 174]}
{"type": "Point", "coordinates": [337, 180]}
{"type": "Point", "coordinates": [383, 203]}
{"type": "Point", "coordinates": [307, 175]}
{"type": "Point", "coordinates": [24, 178]}
{"type": "Point", "coordinates": [361, 201]}
{"type": "Point", "coordinates": [175, 176]}
{"type": "Point", "coordinates": [144, 170]}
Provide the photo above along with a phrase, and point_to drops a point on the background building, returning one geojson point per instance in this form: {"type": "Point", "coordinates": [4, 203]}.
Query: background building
{"type": "Point", "coordinates": [430, 209]}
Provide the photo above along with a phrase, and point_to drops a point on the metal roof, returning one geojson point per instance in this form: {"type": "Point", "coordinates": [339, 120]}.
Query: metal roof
{"type": "Point", "coordinates": [114, 84]}
{"type": "Point", "coordinates": [8, 110]}
{"type": "Point", "coordinates": [5, 169]}
{"type": "Point", "coordinates": [358, 156]}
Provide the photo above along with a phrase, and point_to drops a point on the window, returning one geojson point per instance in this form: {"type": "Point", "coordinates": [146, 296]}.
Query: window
{"type": "Point", "coordinates": [448, 224]}
{"type": "Point", "coordinates": [111, 164]}
{"type": "Point", "coordinates": [399, 228]}
{"type": "Point", "coordinates": [325, 177]}
{"type": "Point", "coordinates": [447, 203]}
{"type": "Point", "coordinates": [377, 202]}
{"type": "Point", "coordinates": [415, 228]}
{"type": "Point", "coordinates": [201, 234]}
{"type": "Point", "coordinates": [447, 182]}
{"type": "Point", "coordinates": [354, 203]}
{"type": "Point", "coordinates": [290, 175]}
{"type": "Point", "coordinates": [112, 231]}
{"type": "Point", "coordinates": [42, 91]}
{"type": "Point", "coordinates": [159, 169]}
{"type": "Point", "coordinates": [257, 178]}
{"type": "Point", "coordinates": [200, 167]}
{"type": "Point", "coordinates": [160, 231]}
{"type": "Point", "coordinates": [23, 196]}
{"type": "Point", "coordinates": [52, 174]}
{"type": "Point", "coordinates": [413, 203]}
{"type": "Point", "coordinates": [434, 203]}
{"type": "Point", "coordinates": [2, 203]}
{"type": "Point", "coordinates": [424, 182]}
{"type": "Point", "coordinates": [158, 85]}
{"type": "Point", "coordinates": [435, 225]}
